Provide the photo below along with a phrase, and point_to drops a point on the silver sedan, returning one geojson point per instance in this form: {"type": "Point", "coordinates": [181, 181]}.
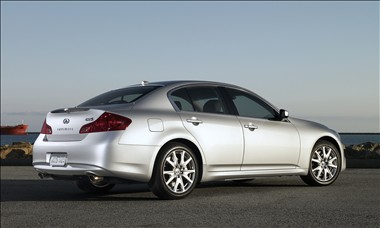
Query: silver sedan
{"type": "Point", "coordinates": [176, 134]}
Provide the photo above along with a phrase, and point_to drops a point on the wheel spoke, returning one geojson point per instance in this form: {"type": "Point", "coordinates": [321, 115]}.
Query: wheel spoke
{"type": "Point", "coordinates": [179, 184]}
{"type": "Point", "coordinates": [187, 178]}
{"type": "Point", "coordinates": [171, 173]}
{"type": "Point", "coordinates": [332, 159]}
{"type": "Point", "coordinates": [176, 185]}
{"type": "Point", "coordinates": [182, 158]}
{"type": "Point", "coordinates": [318, 155]}
{"type": "Point", "coordinates": [187, 175]}
{"type": "Point", "coordinates": [187, 162]}
{"type": "Point", "coordinates": [330, 162]}
{"type": "Point", "coordinates": [324, 151]}
{"type": "Point", "coordinates": [329, 172]}
{"type": "Point", "coordinates": [320, 172]}
{"type": "Point", "coordinates": [324, 175]}
{"type": "Point", "coordinates": [175, 159]}
{"type": "Point", "coordinates": [187, 172]}
{"type": "Point", "coordinates": [170, 162]}
{"type": "Point", "coordinates": [328, 153]}
{"type": "Point", "coordinates": [316, 160]}
{"type": "Point", "coordinates": [319, 169]}
{"type": "Point", "coordinates": [170, 180]}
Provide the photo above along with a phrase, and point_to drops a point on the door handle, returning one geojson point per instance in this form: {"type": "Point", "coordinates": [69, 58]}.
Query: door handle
{"type": "Point", "coordinates": [251, 126]}
{"type": "Point", "coordinates": [194, 121]}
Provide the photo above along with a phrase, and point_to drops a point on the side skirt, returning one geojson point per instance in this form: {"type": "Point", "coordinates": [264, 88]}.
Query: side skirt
{"type": "Point", "coordinates": [236, 175]}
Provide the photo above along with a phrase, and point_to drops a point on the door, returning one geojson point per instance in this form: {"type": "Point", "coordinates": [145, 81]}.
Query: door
{"type": "Point", "coordinates": [205, 116]}
{"type": "Point", "coordinates": [270, 143]}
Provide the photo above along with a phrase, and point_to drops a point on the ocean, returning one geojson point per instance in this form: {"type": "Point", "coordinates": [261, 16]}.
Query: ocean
{"type": "Point", "coordinates": [347, 138]}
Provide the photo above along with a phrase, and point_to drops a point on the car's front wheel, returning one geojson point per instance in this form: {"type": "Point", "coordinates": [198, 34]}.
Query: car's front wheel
{"type": "Point", "coordinates": [325, 164]}
{"type": "Point", "coordinates": [89, 185]}
{"type": "Point", "coordinates": [176, 172]}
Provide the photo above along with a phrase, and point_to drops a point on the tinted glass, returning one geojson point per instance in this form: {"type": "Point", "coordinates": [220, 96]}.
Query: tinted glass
{"type": "Point", "coordinates": [119, 96]}
{"type": "Point", "coordinates": [182, 100]}
{"type": "Point", "coordinates": [248, 105]}
{"type": "Point", "coordinates": [206, 99]}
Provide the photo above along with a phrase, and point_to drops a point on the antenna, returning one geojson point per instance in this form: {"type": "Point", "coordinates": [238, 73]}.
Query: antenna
{"type": "Point", "coordinates": [143, 83]}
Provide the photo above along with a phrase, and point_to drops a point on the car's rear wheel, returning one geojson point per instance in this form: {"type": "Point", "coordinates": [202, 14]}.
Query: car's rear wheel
{"type": "Point", "coordinates": [94, 186]}
{"type": "Point", "coordinates": [176, 172]}
{"type": "Point", "coordinates": [325, 165]}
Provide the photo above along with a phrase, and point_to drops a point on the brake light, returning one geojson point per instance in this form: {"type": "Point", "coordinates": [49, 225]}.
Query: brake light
{"type": "Point", "coordinates": [46, 129]}
{"type": "Point", "coordinates": [106, 122]}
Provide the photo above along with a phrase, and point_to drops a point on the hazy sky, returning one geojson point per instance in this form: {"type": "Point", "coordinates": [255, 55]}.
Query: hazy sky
{"type": "Point", "coordinates": [318, 60]}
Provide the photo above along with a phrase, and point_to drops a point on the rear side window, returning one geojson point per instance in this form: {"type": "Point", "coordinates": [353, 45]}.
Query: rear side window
{"type": "Point", "coordinates": [119, 96]}
{"type": "Point", "coordinates": [206, 99]}
{"type": "Point", "coordinates": [182, 100]}
{"type": "Point", "coordinates": [199, 99]}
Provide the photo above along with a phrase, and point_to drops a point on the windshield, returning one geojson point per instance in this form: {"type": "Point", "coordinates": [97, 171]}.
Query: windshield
{"type": "Point", "coordinates": [119, 96]}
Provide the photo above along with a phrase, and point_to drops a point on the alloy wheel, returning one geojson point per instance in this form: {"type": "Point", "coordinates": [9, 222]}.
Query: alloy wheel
{"type": "Point", "coordinates": [179, 171]}
{"type": "Point", "coordinates": [324, 163]}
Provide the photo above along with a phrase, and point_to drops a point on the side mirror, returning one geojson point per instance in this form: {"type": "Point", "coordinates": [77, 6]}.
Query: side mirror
{"type": "Point", "coordinates": [283, 114]}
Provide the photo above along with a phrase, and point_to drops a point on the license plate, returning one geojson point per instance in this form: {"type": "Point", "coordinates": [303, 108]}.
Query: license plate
{"type": "Point", "coordinates": [58, 159]}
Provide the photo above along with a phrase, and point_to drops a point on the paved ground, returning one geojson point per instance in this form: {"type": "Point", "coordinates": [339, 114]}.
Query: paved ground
{"type": "Point", "coordinates": [352, 201]}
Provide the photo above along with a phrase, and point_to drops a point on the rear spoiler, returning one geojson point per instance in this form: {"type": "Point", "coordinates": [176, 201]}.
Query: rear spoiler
{"type": "Point", "coordinates": [68, 110]}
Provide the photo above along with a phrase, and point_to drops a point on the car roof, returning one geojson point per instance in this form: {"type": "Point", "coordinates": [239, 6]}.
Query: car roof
{"type": "Point", "coordinates": [182, 82]}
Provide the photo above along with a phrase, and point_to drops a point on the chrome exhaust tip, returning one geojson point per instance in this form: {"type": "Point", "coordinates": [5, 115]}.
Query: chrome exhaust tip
{"type": "Point", "coordinates": [96, 179]}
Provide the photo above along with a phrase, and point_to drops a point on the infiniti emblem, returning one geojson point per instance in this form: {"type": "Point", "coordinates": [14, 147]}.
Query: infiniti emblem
{"type": "Point", "coordinates": [66, 121]}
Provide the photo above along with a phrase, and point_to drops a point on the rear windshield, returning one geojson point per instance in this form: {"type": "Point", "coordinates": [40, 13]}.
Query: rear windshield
{"type": "Point", "coordinates": [119, 96]}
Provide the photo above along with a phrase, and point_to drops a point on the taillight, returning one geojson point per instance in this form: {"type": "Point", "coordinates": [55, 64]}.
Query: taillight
{"type": "Point", "coordinates": [46, 129]}
{"type": "Point", "coordinates": [106, 122]}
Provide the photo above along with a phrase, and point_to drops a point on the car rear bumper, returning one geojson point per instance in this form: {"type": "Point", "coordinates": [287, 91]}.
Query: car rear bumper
{"type": "Point", "coordinates": [97, 154]}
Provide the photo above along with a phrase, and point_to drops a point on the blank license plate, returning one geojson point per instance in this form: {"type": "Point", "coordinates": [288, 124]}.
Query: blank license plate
{"type": "Point", "coordinates": [58, 159]}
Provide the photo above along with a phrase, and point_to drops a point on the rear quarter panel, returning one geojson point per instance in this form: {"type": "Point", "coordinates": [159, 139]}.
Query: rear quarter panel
{"type": "Point", "coordinates": [140, 133]}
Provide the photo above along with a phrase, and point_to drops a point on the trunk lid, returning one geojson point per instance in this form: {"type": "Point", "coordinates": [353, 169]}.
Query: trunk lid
{"type": "Point", "coordinates": [66, 123]}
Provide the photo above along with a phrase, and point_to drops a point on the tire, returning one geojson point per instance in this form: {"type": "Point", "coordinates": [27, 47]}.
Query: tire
{"type": "Point", "coordinates": [175, 172]}
{"type": "Point", "coordinates": [88, 186]}
{"type": "Point", "coordinates": [325, 165]}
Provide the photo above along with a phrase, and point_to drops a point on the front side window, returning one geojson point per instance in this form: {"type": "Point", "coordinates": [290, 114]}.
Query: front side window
{"type": "Point", "coordinates": [119, 96]}
{"type": "Point", "coordinates": [248, 105]}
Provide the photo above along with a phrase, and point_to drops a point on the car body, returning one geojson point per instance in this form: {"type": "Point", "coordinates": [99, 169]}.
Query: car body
{"type": "Point", "coordinates": [175, 134]}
